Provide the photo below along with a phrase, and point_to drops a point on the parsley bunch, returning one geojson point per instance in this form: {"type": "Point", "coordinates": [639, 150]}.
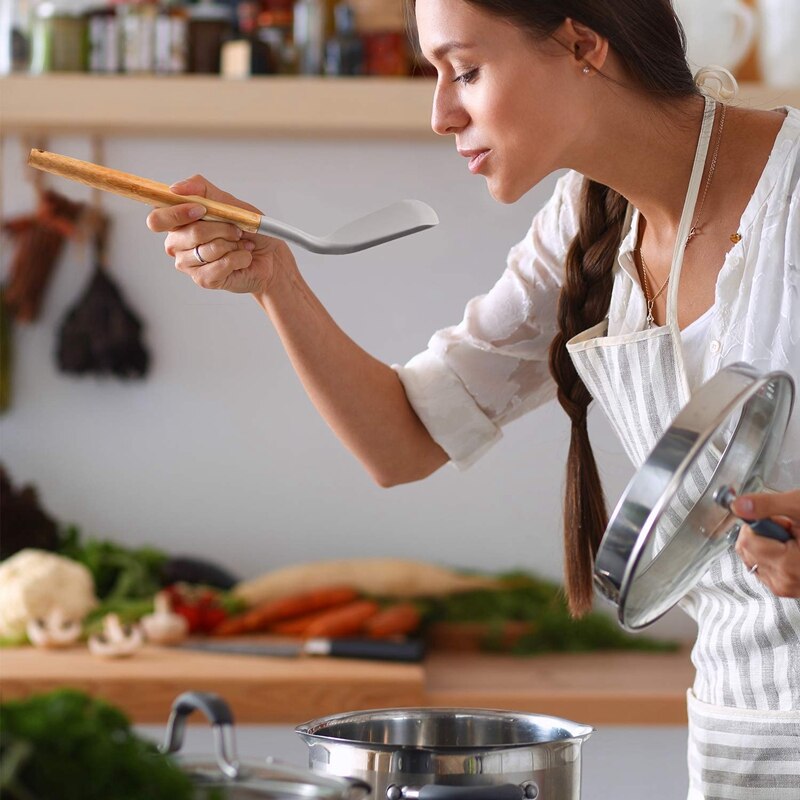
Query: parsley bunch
{"type": "Point", "coordinates": [65, 745]}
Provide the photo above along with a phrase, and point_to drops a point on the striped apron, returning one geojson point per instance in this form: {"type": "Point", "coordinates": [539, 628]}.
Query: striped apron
{"type": "Point", "coordinates": [744, 709]}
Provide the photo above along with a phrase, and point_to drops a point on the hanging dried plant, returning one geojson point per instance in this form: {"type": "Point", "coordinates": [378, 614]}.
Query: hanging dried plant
{"type": "Point", "coordinates": [100, 334]}
{"type": "Point", "coordinates": [39, 239]}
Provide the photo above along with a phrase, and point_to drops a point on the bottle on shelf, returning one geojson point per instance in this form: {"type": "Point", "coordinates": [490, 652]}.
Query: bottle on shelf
{"type": "Point", "coordinates": [103, 33]}
{"type": "Point", "coordinates": [171, 38]}
{"type": "Point", "coordinates": [247, 53]}
{"type": "Point", "coordinates": [15, 23]}
{"type": "Point", "coordinates": [386, 54]}
{"type": "Point", "coordinates": [381, 26]}
{"type": "Point", "coordinates": [137, 24]}
{"type": "Point", "coordinates": [275, 28]}
{"type": "Point", "coordinates": [309, 35]}
{"type": "Point", "coordinates": [344, 52]}
{"type": "Point", "coordinates": [210, 26]}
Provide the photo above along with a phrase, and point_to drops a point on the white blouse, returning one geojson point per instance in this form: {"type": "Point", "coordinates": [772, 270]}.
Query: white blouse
{"type": "Point", "coordinates": [493, 366]}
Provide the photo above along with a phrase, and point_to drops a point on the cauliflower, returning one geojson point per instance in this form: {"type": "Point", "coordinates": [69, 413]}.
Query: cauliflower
{"type": "Point", "coordinates": [34, 582]}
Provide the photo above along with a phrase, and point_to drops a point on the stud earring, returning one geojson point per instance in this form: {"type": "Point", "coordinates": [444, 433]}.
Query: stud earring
{"type": "Point", "coordinates": [586, 70]}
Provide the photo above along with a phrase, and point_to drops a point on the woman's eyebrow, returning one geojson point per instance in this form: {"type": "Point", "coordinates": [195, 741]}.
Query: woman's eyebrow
{"type": "Point", "coordinates": [443, 49]}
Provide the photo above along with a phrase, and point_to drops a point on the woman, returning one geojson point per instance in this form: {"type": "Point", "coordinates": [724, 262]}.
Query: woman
{"type": "Point", "coordinates": [589, 308]}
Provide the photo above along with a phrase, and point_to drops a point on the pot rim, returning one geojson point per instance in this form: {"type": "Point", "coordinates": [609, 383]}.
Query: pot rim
{"type": "Point", "coordinates": [311, 733]}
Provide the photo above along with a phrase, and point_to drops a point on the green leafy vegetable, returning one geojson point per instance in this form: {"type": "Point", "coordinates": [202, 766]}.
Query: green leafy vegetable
{"type": "Point", "coordinates": [128, 611]}
{"type": "Point", "coordinates": [120, 573]}
{"type": "Point", "coordinates": [65, 745]}
{"type": "Point", "coordinates": [528, 598]}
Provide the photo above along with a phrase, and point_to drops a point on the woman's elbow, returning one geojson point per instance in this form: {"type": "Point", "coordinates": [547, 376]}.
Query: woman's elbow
{"type": "Point", "coordinates": [397, 475]}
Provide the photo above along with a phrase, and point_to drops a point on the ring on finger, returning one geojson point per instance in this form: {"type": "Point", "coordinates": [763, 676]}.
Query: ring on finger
{"type": "Point", "coordinates": [200, 258]}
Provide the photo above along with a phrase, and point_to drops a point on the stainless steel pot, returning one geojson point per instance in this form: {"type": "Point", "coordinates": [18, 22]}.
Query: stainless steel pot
{"type": "Point", "coordinates": [235, 780]}
{"type": "Point", "coordinates": [474, 754]}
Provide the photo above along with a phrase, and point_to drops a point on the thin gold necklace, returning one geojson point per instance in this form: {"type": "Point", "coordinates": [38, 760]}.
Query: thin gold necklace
{"type": "Point", "coordinates": [646, 286]}
{"type": "Point", "coordinates": [693, 231]}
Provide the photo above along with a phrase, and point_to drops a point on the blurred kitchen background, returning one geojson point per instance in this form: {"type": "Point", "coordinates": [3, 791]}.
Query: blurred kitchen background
{"type": "Point", "coordinates": [203, 442]}
{"type": "Point", "coordinates": [216, 450]}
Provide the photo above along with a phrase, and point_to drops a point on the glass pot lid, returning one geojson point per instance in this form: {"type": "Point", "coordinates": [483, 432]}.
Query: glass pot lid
{"type": "Point", "coordinates": [669, 525]}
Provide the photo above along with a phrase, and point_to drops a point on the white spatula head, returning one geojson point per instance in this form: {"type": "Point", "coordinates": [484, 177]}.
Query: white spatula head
{"type": "Point", "coordinates": [392, 222]}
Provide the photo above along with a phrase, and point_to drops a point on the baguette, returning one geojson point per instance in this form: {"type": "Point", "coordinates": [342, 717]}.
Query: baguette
{"type": "Point", "coordinates": [377, 577]}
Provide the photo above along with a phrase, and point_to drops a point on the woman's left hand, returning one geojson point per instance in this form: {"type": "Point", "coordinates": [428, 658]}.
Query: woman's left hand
{"type": "Point", "coordinates": [777, 564]}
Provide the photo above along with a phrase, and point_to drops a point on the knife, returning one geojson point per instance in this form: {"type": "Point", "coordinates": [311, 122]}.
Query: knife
{"type": "Point", "coordinates": [412, 650]}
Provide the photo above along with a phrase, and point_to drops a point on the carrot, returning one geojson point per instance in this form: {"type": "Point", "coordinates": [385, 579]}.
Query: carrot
{"type": "Point", "coordinates": [346, 620]}
{"type": "Point", "coordinates": [297, 625]}
{"type": "Point", "coordinates": [261, 616]}
{"type": "Point", "coordinates": [394, 620]}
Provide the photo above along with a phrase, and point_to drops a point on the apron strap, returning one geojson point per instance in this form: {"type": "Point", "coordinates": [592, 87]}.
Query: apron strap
{"type": "Point", "coordinates": [684, 229]}
{"type": "Point", "coordinates": [685, 225]}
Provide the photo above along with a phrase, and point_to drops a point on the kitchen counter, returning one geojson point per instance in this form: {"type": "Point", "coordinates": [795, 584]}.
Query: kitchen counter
{"type": "Point", "coordinates": [608, 688]}
{"type": "Point", "coordinates": [612, 688]}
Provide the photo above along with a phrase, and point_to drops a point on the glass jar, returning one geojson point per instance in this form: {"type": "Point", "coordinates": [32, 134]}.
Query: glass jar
{"type": "Point", "coordinates": [386, 53]}
{"type": "Point", "coordinates": [172, 39]}
{"type": "Point", "coordinates": [137, 23]}
{"type": "Point", "coordinates": [103, 31]}
{"type": "Point", "coordinates": [59, 38]}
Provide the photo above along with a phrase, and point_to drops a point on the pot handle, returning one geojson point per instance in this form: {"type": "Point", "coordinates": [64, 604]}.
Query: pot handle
{"type": "Point", "coordinates": [220, 716]}
{"type": "Point", "coordinates": [433, 791]}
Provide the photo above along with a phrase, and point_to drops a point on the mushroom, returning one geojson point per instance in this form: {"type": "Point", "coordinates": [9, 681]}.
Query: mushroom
{"type": "Point", "coordinates": [116, 640]}
{"type": "Point", "coordinates": [164, 626]}
{"type": "Point", "coordinates": [55, 630]}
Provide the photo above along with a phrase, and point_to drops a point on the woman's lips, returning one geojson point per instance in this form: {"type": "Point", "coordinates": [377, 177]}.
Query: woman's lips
{"type": "Point", "coordinates": [476, 161]}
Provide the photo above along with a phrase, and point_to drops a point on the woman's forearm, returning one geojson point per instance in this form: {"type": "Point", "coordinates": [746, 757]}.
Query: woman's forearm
{"type": "Point", "coordinates": [360, 397]}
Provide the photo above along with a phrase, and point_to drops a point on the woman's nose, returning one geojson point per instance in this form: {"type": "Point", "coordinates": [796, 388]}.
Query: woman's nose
{"type": "Point", "coordinates": [448, 115]}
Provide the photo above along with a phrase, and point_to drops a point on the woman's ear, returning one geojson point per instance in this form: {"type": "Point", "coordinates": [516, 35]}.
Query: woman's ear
{"type": "Point", "coordinates": [588, 48]}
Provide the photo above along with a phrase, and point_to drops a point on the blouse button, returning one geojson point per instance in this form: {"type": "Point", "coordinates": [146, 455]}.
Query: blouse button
{"type": "Point", "coordinates": [715, 346]}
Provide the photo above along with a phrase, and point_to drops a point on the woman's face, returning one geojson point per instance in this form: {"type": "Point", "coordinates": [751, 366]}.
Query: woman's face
{"type": "Point", "coordinates": [500, 93]}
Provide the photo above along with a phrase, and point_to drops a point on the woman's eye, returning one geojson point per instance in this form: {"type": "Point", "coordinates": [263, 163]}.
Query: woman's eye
{"type": "Point", "coordinates": [467, 77]}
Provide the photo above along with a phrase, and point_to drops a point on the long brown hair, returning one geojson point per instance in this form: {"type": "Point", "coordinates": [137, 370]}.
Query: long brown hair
{"type": "Point", "coordinates": [649, 40]}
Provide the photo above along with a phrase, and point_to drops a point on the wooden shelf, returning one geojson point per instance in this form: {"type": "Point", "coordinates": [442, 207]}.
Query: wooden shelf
{"type": "Point", "coordinates": [196, 105]}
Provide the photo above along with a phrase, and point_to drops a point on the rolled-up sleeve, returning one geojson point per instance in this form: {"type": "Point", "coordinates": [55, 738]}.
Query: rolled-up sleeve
{"type": "Point", "coordinates": [479, 375]}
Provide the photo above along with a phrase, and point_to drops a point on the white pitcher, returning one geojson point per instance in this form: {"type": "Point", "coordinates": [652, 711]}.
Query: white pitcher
{"type": "Point", "coordinates": [778, 47]}
{"type": "Point", "coordinates": [718, 32]}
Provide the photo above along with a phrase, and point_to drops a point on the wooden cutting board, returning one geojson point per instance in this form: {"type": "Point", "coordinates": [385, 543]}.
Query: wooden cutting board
{"type": "Point", "coordinates": [259, 689]}
{"type": "Point", "coordinates": [612, 688]}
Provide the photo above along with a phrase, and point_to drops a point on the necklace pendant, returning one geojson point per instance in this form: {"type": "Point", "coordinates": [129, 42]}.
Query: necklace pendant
{"type": "Point", "coordinates": [650, 318]}
{"type": "Point", "coordinates": [692, 233]}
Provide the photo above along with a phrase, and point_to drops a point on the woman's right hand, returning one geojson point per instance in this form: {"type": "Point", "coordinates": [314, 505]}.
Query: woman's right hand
{"type": "Point", "coordinates": [232, 259]}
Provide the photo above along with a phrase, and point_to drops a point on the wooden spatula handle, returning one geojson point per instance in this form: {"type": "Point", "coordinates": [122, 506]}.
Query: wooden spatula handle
{"type": "Point", "coordinates": [136, 188]}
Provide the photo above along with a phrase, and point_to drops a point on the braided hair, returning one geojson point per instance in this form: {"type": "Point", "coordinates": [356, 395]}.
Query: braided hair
{"type": "Point", "coordinates": [583, 302]}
